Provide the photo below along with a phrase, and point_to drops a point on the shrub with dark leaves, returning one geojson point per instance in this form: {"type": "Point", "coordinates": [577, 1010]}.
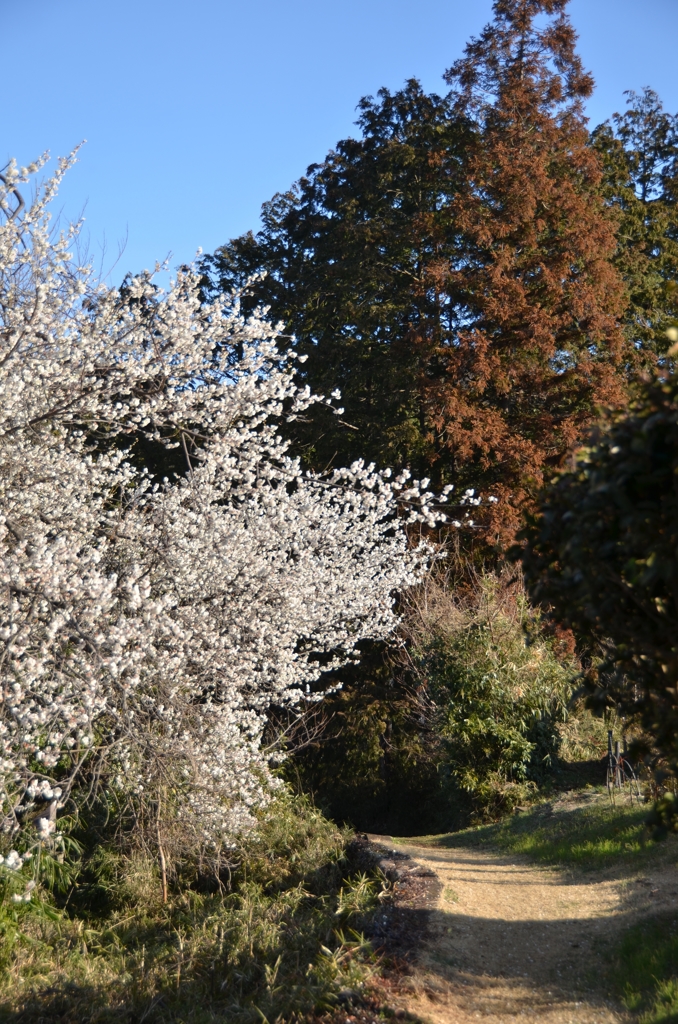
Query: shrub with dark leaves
{"type": "Point", "coordinates": [603, 556]}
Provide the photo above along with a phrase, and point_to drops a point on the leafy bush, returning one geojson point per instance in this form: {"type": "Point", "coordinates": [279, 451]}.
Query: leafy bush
{"type": "Point", "coordinates": [603, 557]}
{"type": "Point", "coordinates": [498, 689]}
{"type": "Point", "coordinates": [583, 735]}
{"type": "Point", "coordinates": [465, 719]}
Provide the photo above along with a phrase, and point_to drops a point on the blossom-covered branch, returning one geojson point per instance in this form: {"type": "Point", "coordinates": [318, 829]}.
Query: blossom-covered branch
{"type": "Point", "coordinates": [147, 625]}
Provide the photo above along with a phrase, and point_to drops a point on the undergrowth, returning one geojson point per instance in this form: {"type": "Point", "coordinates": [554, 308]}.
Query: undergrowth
{"type": "Point", "coordinates": [645, 970]}
{"type": "Point", "coordinates": [588, 833]}
{"type": "Point", "coordinates": [277, 942]}
{"type": "Point", "coordinates": [465, 720]}
{"type": "Point", "coordinates": [499, 686]}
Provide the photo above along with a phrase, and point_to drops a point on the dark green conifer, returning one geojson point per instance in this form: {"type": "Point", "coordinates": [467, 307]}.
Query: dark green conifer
{"type": "Point", "coordinates": [639, 149]}
{"type": "Point", "coordinates": [350, 255]}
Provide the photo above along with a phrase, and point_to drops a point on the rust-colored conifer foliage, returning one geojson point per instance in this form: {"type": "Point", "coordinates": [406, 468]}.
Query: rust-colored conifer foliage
{"type": "Point", "coordinates": [538, 301]}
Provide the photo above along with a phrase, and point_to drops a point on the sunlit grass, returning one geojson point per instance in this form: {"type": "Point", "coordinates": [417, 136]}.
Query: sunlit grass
{"type": "Point", "coordinates": [591, 834]}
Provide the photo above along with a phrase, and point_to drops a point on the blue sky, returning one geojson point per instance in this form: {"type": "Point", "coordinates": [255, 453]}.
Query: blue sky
{"type": "Point", "coordinates": [196, 113]}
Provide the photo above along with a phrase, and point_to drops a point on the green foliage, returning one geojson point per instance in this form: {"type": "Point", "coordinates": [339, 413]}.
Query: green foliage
{"type": "Point", "coordinates": [351, 254]}
{"type": "Point", "coordinates": [639, 151]}
{"type": "Point", "coordinates": [293, 840]}
{"type": "Point", "coordinates": [583, 735]}
{"type": "Point", "coordinates": [645, 969]}
{"type": "Point", "coordinates": [278, 941]}
{"type": "Point", "coordinates": [603, 556]}
{"type": "Point", "coordinates": [585, 832]}
{"type": "Point", "coordinates": [465, 720]}
{"type": "Point", "coordinates": [498, 688]}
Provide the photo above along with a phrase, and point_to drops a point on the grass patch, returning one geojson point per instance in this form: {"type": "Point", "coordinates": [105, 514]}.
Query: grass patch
{"type": "Point", "coordinates": [275, 945]}
{"type": "Point", "coordinates": [645, 969]}
{"type": "Point", "coordinates": [588, 835]}
{"type": "Point", "coordinates": [450, 896]}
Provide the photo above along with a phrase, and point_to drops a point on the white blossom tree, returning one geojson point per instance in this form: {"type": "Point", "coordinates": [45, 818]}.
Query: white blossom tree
{"type": "Point", "coordinates": [148, 625]}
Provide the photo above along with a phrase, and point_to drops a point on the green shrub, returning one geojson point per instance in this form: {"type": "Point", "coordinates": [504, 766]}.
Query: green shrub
{"type": "Point", "coordinates": [603, 557]}
{"type": "Point", "coordinates": [583, 735]}
{"type": "Point", "coordinates": [464, 720]}
{"type": "Point", "coordinates": [498, 689]}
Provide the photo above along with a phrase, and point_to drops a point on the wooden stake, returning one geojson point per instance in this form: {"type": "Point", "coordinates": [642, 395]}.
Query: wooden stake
{"type": "Point", "coordinates": [163, 868]}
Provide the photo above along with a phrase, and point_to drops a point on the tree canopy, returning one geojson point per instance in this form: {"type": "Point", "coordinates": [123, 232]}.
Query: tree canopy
{"type": "Point", "coordinates": [639, 150]}
{"type": "Point", "coordinates": [451, 270]}
{"type": "Point", "coordinates": [538, 347]}
{"type": "Point", "coordinates": [349, 253]}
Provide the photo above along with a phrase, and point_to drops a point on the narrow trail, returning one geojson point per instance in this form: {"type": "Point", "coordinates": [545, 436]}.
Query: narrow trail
{"type": "Point", "coordinates": [509, 941]}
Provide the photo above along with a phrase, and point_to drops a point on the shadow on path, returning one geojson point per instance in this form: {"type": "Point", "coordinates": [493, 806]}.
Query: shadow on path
{"type": "Point", "coordinates": [508, 940]}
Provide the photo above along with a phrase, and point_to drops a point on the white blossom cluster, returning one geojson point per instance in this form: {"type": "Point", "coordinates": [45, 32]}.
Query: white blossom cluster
{"type": "Point", "coordinates": [147, 626]}
{"type": "Point", "coordinates": [11, 865]}
{"type": "Point", "coordinates": [14, 861]}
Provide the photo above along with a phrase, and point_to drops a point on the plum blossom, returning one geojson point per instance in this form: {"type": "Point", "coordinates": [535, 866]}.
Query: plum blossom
{"type": "Point", "coordinates": [149, 622]}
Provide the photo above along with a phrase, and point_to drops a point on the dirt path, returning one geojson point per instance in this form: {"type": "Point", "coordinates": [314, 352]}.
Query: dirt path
{"type": "Point", "coordinates": [509, 941]}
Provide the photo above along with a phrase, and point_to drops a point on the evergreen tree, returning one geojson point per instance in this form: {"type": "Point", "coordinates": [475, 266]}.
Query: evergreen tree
{"type": "Point", "coordinates": [538, 347]}
{"type": "Point", "coordinates": [452, 271]}
{"type": "Point", "coordinates": [639, 149]}
{"type": "Point", "coordinates": [351, 255]}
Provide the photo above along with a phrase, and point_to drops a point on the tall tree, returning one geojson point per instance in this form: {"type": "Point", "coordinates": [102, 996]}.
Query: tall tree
{"type": "Point", "coordinates": [639, 150]}
{"type": "Point", "coordinates": [112, 585]}
{"type": "Point", "coordinates": [451, 271]}
{"type": "Point", "coordinates": [537, 300]}
{"type": "Point", "coordinates": [348, 253]}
